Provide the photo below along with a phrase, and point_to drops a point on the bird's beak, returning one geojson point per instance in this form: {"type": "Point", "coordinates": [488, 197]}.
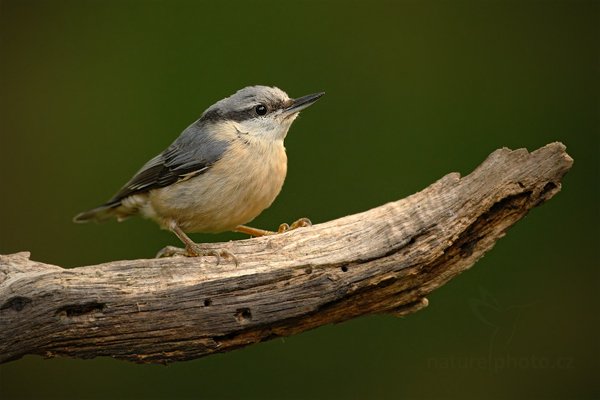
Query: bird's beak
{"type": "Point", "coordinates": [301, 103]}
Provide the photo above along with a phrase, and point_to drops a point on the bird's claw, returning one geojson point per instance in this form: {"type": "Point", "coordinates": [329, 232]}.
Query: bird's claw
{"type": "Point", "coordinates": [301, 223]}
{"type": "Point", "coordinates": [171, 251]}
{"type": "Point", "coordinates": [197, 251]}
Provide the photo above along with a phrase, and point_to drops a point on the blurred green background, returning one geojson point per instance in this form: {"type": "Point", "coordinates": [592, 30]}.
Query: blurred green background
{"type": "Point", "coordinates": [90, 90]}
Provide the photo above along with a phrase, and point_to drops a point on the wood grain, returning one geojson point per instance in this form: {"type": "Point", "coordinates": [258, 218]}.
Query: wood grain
{"type": "Point", "coordinates": [385, 260]}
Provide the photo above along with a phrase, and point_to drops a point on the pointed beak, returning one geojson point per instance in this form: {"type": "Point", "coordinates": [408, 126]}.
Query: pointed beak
{"type": "Point", "coordinates": [301, 103]}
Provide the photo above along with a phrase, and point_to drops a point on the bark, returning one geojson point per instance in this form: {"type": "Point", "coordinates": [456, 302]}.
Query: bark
{"type": "Point", "coordinates": [385, 260]}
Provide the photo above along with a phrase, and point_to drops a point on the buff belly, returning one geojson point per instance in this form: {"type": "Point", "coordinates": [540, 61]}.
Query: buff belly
{"type": "Point", "coordinates": [234, 191]}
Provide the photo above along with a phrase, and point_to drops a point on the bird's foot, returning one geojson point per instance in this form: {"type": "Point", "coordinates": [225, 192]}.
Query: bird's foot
{"type": "Point", "coordinates": [301, 223]}
{"type": "Point", "coordinates": [196, 250]}
{"type": "Point", "coordinates": [171, 251]}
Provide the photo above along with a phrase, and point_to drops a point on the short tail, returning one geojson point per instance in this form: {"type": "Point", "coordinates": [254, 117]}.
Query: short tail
{"type": "Point", "coordinates": [98, 214]}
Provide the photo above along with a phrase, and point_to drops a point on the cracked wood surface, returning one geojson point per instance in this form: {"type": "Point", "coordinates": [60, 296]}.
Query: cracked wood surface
{"type": "Point", "coordinates": [385, 260]}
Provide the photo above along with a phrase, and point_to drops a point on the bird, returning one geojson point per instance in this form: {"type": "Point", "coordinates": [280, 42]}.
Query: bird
{"type": "Point", "coordinates": [219, 174]}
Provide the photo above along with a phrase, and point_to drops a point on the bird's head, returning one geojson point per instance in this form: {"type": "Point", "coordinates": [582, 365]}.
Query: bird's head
{"type": "Point", "coordinates": [261, 111]}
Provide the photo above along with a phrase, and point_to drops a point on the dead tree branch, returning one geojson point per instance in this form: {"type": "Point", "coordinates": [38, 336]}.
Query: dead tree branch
{"type": "Point", "coordinates": [385, 260]}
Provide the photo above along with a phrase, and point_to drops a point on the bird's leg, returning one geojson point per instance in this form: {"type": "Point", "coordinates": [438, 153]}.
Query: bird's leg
{"type": "Point", "coordinates": [192, 249]}
{"type": "Point", "coordinates": [302, 222]}
{"type": "Point", "coordinates": [253, 231]}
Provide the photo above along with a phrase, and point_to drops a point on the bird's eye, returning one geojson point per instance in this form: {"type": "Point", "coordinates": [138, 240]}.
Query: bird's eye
{"type": "Point", "coordinates": [261, 109]}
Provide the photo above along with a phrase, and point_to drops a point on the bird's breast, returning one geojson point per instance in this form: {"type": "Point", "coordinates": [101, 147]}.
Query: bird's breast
{"type": "Point", "coordinates": [232, 192]}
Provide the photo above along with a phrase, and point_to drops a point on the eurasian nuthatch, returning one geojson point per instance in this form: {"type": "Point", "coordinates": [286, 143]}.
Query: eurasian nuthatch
{"type": "Point", "coordinates": [219, 174]}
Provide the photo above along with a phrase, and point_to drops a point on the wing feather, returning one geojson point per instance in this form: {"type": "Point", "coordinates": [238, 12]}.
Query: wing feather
{"type": "Point", "coordinates": [192, 154]}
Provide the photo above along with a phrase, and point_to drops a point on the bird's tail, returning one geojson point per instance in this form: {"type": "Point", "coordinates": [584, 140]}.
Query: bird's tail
{"type": "Point", "coordinates": [98, 214]}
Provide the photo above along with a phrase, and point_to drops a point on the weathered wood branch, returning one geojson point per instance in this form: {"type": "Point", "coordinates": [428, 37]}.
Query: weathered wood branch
{"type": "Point", "coordinates": [385, 260]}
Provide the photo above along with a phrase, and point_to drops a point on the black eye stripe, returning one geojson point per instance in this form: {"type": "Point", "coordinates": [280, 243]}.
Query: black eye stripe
{"type": "Point", "coordinates": [216, 115]}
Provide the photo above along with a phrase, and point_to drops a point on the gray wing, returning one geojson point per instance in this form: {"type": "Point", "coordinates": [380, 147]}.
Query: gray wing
{"type": "Point", "coordinates": [192, 153]}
